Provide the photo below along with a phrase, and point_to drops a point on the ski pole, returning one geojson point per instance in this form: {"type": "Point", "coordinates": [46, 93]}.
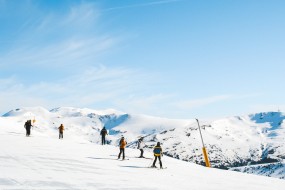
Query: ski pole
{"type": "Point", "coordinates": [204, 148]}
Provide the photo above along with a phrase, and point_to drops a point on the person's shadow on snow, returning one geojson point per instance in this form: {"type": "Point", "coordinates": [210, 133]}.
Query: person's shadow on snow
{"type": "Point", "coordinates": [102, 158]}
{"type": "Point", "coordinates": [133, 167]}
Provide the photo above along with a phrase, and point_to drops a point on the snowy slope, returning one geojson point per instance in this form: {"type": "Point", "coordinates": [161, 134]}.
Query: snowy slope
{"type": "Point", "coordinates": [44, 162]}
{"type": "Point", "coordinates": [231, 142]}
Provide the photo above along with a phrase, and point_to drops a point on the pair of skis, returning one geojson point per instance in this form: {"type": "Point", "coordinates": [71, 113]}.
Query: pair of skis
{"type": "Point", "coordinates": [135, 157]}
{"type": "Point", "coordinates": [158, 168]}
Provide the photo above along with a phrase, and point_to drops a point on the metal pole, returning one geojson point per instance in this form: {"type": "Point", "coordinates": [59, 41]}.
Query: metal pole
{"type": "Point", "coordinates": [204, 148]}
{"type": "Point", "coordinates": [200, 132]}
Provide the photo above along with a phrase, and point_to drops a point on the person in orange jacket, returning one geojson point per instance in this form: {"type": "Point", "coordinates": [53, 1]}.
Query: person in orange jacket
{"type": "Point", "coordinates": [60, 129]}
{"type": "Point", "coordinates": [122, 145]}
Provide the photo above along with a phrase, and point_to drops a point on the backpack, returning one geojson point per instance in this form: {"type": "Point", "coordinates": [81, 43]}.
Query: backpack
{"type": "Point", "coordinates": [104, 132]}
{"type": "Point", "coordinates": [139, 144]}
{"type": "Point", "coordinates": [121, 142]}
{"type": "Point", "coordinates": [30, 122]}
{"type": "Point", "coordinates": [157, 150]}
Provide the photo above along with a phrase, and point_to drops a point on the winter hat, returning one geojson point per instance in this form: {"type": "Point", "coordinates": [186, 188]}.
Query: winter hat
{"type": "Point", "coordinates": [158, 144]}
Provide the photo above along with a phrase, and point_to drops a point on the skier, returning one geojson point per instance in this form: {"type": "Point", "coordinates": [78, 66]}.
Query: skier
{"type": "Point", "coordinates": [60, 129]}
{"type": "Point", "coordinates": [28, 125]}
{"type": "Point", "coordinates": [157, 154]}
{"type": "Point", "coordinates": [141, 145]}
{"type": "Point", "coordinates": [122, 145]}
{"type": "Point", "coordinates": [103, 133]}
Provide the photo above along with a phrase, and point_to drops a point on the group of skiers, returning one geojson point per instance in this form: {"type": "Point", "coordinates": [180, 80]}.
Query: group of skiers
{"type": "Point", "coordinates": [140, 145]}
{"type": "Point", "coordinates": [122, 143]}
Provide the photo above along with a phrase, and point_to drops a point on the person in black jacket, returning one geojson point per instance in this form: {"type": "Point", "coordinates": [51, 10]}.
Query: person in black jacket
{"type": "Point", "coordinates": [103, 133]}
{"type": "Point", "coordinates": [28, 126]}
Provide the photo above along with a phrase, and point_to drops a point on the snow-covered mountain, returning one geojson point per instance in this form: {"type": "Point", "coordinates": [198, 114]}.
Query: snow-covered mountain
{"type": "Point", "coordinates": [271, 170]}
{"type": "Point", "coordinates": [44, 162]}
{"type": "Point", "coordinates": [250, 140]}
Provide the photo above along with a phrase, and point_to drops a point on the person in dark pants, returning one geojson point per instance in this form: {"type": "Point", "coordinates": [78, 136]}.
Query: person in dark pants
{"type": "Point", "coordinates": [141, 146]}
{"type": "Point", "coordinates": [60, 129]}
{"type": "Point", "coordinates": [122, 145]}
{"type": "Point", "coordinates": [103, 133]}
{"type": "Point", "coordinates": [28, 126]}
{"type": "Point", "coordinates": [157, 154]}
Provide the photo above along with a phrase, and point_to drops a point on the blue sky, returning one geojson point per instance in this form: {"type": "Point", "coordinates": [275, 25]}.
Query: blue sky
{"type": "Point", "coordinates": [167, 58]}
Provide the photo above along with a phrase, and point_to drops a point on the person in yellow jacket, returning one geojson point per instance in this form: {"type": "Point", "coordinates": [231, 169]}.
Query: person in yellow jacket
{"type": "Point", "coordinates": [60, 129]}
{"type": "Point", "coordinates": [157, 151]}
{"type": "Point", "coordinates": [122, 145]}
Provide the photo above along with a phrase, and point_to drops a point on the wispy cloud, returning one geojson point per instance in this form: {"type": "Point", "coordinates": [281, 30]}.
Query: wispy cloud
{"type": "Point", "coordinates": [85, 13]}
{"type": "Point", "coordinates": [79, 18]}
{"type": "Point", "coordinates": [96, 87]}
{"type": "Point", "coordinates": [51, 44]}
{"type": "Point", "coordinates": [142, 5]}
{"type": "Point", "coordinates": [70, 52]}
{"type": "Point", "coordinates": [104, 87]}
{"type": "Point", "coordinates": [58, 39]}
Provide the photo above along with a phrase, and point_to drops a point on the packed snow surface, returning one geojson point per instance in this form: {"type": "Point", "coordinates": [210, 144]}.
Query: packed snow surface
{"type": "Point", "coordinates": [44, 162]}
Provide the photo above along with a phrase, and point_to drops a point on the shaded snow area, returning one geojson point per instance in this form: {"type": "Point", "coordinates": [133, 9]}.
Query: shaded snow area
{"type": "Point", "coordinates": [270, 170]}
{"type": "Point", "coordinates": [251, 141]}
{"type": "Point", "coordinates": [42, 161]}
